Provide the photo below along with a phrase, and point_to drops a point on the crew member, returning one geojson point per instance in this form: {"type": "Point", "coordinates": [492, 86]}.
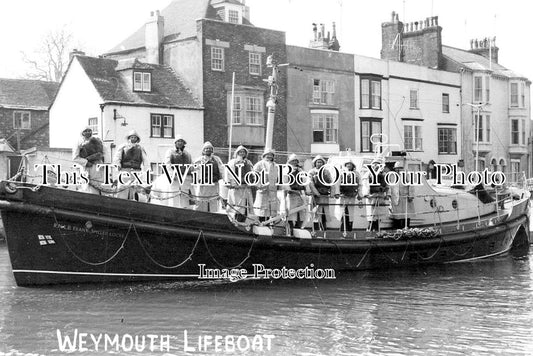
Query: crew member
{"type": "Point", "coordinates": [349, 193]}
{"type": "Point", "coordinates": [240, 199]}
{"type": "Point", "coordinates": [266, 202]}
{"type": "Point", "coordinates": [377, 192]}
{"type": "Point", "coordinates": [295, 196]}
{"type": "Point", "coordinates": [402, 197]}
{"type": "Point", "coordinates": [89, 152]}
{"type": "Point", "coordinates": [210, 170]}
{"type": "Point", "coordinates": [129, 158]}
{"type": "Point", "coordinates": [320, 178]}
{"type": "Point", "coordinates": [175, 194]}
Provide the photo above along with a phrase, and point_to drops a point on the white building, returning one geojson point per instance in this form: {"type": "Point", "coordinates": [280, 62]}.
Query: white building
{"type": "Point", "coordinates": [115, 97]}
{"type": "Point", "coordinates": [416, 108]}
{"type": "Point", "coordinates": [503, 100]}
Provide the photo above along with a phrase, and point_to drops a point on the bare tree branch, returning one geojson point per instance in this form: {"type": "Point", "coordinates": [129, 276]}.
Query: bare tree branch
{"type": "Point", "coordinates": [50, 61]}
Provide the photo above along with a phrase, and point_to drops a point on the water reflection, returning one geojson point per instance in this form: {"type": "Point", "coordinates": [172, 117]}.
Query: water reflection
{"type": "Point", "coordinates": [484, 308]}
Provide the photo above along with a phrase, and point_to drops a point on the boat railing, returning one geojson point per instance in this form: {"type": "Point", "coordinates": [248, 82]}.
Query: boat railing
{"type": "Point", "coordinates": [381, 200]}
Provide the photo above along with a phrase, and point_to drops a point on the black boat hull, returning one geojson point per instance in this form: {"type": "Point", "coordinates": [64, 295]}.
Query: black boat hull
{"type": "Point", "coordinates": [52, 240]}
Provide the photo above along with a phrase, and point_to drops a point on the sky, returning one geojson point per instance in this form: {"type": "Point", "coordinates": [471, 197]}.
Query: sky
{"type": "Point", "coordinates": [98, 25]}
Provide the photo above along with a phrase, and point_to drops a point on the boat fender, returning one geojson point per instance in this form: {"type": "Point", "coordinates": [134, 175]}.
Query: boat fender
{"type": "Point", "coordinates": [263, 230]}
{"type": "Point", "coordinates": [10, 188]}
{"type": "Point", "coordinates": [301, 234]}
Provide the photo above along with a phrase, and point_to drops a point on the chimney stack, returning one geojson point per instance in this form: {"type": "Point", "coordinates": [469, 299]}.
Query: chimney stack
{"type": "Point", "coordinates": [418, 42]}
{"type": "Point", "coordinates": [334, 42]}
{"type": "Point", "coordinates": [154, 31]}
{"type": "Point", "coordinates": [75, 52]}
{"type": "Point", "coordinates": [485, 47]}
{"type": "Point", "coordinates": [321, 40]}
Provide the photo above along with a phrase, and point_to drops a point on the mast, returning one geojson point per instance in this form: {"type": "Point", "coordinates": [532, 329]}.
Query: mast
{"type": "Point", "coordinates": [271, 103]}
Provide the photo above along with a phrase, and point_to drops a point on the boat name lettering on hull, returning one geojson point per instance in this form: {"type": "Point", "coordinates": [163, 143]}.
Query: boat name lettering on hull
{"type": "Point", "coordinates": [68, 227]}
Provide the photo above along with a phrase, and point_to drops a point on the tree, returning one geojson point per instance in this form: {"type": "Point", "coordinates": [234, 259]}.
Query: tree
{"type": "Point", "coordinates": [50, 61]}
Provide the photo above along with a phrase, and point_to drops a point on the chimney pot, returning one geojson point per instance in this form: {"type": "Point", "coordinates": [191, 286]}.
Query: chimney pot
{"type": "Point", "coordinates": [416, 25]}
{"type": "Point", "coordinates": [436, 20]}
{"type": "Point", "coordinates": [151, 13]}
{"type": "Point", "coordinates": [392, 17]}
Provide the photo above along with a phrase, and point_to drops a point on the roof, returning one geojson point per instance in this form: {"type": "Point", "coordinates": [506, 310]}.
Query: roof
{"type": "Point", "coordinates": [111, 80]}
{"type": "Point", "coordinates": [27, 94]}
{"type": "Point", "coordinates": [477, 62]}
{"type": "Point", "coordinates": [5, 146]}
{"type": "Point", "coordinates": [180, 22]}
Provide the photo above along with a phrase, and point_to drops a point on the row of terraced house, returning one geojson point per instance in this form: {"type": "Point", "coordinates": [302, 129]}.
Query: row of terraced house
{"type": "Point", "coordinates": [174, 76]}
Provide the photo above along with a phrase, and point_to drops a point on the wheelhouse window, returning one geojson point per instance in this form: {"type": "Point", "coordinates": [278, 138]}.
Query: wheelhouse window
{"type": "Point", "coordinates": [323, 91]}
{"type": "Point", "coordinates": [162, 125]}
{"type": "Point", "coordinates": [445, 103]}
{"type": "Point", "coordinates": [254, 60]}
{"type": "Point", "coordinates": [217, 58]}
{"type": "Point", "coordinates": [447, 140]}
{"type": "Point", "coordinates": [22, 120]}
{"type": "Point", "coordinates": [142, 81]}
{"type": "Point", "coordinates": [369, 127]}
{"type": "Point", "coordinates": [371, 93]}
{"type": "Point", "coordinates": [325, 127]}
{"type": "Point", "coordinates": [412, 137]}
{"type": "Point", "coordinates": [93, 125]}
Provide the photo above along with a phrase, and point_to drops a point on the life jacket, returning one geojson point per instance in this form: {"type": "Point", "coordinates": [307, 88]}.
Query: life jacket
{"type": "Point", "coordinates": [350, 190]}
{"type": "Point", "coordinates": [246, 166]}
{"type": "Point", "coordinates": [214, 169]}
{"type": "Point", "coordinates": [180, 158]}
{"type": "Point", "coordinates": [295, 186]}
{"type": "Point", "coordinates": [132, 157]}
{"type": "Point", "coordinates": [90, 147]}
{"type": "Point", "coordinates": [322, 188]}
{"type": "Point", "coordinates": [381, 187]}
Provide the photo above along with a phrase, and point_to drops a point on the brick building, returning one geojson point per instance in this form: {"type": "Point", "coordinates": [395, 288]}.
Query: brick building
{"type": "Point", "coordinates": [321, 106]}
{"type": "Point", "coordinates": [205, 42]}
{"type": "Point", "coordinates": [495, 101]}
{"type": "Point", "coordinates": [24, 112]}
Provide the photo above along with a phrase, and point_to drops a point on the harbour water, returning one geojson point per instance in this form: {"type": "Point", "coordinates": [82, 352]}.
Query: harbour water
{"type": "Point", "coordinates": [478, 308]}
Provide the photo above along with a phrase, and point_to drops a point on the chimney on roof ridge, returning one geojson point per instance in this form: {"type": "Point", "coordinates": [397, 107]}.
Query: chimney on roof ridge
{"type": "Point", "coordinates": [321, 40]}
{"type": "Point", "coordinates": [418, 42]}
{"type": "Point", "coordinates": [154, 31]}
{"type": "Point", "coordinates": [75, 52]}
{"type": "Point", "coordinates": [334, 42]}
{"type": "Point", "coordinates": [485, 47]}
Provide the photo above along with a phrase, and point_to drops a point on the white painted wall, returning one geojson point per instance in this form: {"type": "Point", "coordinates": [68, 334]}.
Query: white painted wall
{"type": "Point", "coordinates": [398, 80]}
{"type": "Point", "coordinates": [76, 101]}
{"type": "Point", "coordinates": [188, 123]}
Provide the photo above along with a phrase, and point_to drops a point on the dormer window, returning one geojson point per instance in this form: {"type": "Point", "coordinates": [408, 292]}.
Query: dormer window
{"type": "Point", "coordinates": [142, 81]}
{"type": "Point", "coordinates": [229, 11]}
{"type": "Point", "coordinates": [233, 16]}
